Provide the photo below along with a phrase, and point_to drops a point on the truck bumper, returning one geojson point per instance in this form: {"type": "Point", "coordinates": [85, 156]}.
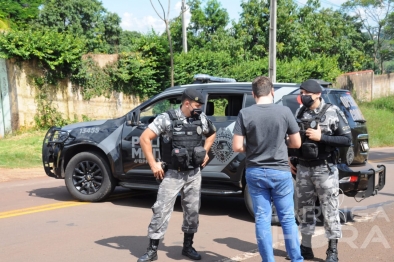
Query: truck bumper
{"type": "Point", "coordinates": [360, 181]}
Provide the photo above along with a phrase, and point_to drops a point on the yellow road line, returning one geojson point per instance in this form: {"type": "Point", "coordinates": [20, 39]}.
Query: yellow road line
{"type": "Point", "coordinates": [36, 209]}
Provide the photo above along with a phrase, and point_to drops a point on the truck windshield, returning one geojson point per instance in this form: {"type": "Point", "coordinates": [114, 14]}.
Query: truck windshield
{"type": "Point", "coordinates": [348, 106]}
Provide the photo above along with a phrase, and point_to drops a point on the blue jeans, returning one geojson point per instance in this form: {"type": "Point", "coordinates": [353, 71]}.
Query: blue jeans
{"type": "Point", "coordinates": [276, 185]}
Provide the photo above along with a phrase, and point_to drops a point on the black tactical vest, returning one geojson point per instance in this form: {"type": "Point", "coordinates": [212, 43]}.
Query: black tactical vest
{"type": "Point", "coordinates": [178, 150]}
{"type": "Point", "coordinates": [312, 150]}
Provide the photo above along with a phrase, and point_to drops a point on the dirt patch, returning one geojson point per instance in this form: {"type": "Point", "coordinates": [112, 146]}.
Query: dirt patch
{"type": "Point", "coordinates": [8, 174]}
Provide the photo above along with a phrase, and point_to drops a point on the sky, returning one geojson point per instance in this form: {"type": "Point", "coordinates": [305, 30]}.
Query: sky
{"type": "Point", "coordinates": [139, 15]}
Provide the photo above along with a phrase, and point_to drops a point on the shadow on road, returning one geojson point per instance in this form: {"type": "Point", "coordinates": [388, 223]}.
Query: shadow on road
{"type": "Point", "coordinates": [386, 194]}
{"type": "Point", "coordinates": [237, 244]}
{"type": "Point", "coordinates": [233, 207]}
{"type": "Point", "coordinates": [210, 205]}
{"type": "Point", "coordinates": [137, 246]}
{"type": "Point", "coordinates": [59, 193]}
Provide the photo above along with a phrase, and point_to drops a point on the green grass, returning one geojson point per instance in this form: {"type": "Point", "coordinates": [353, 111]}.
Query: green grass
{"type": "Point", "coordinates": [380, 121]}
{"type": "Point", "coordinates": [22, 150]}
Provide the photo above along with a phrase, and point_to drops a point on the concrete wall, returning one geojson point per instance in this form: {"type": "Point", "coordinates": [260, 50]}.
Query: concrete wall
{"type": "Point", "coordinates": [66, 98]}
{"type": "Point", "coordinates": [366, 86]}
{"type": "Point", "coordinates": [383, 85]}
{"type": "Point", "coordinates": [359, 83]}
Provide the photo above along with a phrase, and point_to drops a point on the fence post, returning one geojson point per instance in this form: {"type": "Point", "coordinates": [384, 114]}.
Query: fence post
{"type": "Point", "coordinates": [5, 106]}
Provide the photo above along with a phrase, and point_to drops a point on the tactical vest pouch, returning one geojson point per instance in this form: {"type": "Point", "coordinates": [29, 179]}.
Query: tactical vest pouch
{"type": "Point", "coordinates": [199, 153]}
{"type": "Point", "coordinates": [179, 158]}
{"type": "Point", "coordinates": [310, 150]}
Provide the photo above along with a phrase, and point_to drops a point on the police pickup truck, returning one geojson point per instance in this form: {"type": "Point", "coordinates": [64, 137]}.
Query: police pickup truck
{"type": "Point", "coordinates": [95, 157]}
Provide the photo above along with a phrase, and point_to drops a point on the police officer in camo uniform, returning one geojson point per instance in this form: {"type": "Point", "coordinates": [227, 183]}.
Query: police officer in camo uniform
{"type": "Point", "coordinates": [183, 153]}
{"type": "Point", "coordinates": [323, 128]}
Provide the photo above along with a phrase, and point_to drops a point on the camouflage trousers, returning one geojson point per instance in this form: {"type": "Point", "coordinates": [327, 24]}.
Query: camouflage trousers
{"type": "Point", "coordinates": [320, 181]}
{"type": "Point", "coordinates": [188, 183]}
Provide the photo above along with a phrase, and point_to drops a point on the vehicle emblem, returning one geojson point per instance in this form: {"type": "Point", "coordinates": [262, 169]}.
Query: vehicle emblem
{"type": "Point", "coordinates": [222, 146]}
{"type": "Point", "coordinates": [349, 156]}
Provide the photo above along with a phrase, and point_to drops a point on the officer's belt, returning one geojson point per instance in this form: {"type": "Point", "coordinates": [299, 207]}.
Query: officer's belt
{"type": "Point", "coordinates": [313, 163]}
{"type": "Point", "coordinates": [182, 169]}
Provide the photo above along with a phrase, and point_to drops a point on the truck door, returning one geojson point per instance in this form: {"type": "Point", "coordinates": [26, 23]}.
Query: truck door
{"type": "Point", "coordinates": [222, 109]}
{"type": "Point", "coordinates": [134, 161]}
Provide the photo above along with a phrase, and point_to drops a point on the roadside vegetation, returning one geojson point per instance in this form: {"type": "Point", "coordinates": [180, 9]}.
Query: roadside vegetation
{"type": "Point", "coordinates": [379, 115]}
{"type": "Point", "coordinates": [22, 150]}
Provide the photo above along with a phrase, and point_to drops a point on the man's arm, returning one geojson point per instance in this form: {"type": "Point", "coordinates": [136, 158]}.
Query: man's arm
{"type": "Point", "coordinates": [207, 146]}
{"type": "Point", "coordinates": [238, 143]}
{"type": "Point", "coordinates": [294, 140]}
{"type": "Point", "coordinates": [341, 136]}
{"type": "Point", "coordinates": [145, 140]}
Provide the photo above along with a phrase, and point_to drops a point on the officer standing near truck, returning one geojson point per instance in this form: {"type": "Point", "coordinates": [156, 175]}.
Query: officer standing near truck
{"type": "Point", "coordinates": [182, 153]}
{"type": "Point", "coordinates": [323, 128]}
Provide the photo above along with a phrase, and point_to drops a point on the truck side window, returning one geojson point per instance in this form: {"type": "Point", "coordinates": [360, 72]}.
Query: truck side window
{"type": "Point", "coordinates": [223, 107]}
{"type": "Point", "coordinates": [149, 113]}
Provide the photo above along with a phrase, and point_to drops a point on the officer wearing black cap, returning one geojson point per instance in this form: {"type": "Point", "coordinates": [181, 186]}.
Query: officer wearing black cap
{"type": "Point", "coordinates": [183, 154]}
{"type": "Point", "coordinates": [323, 128]}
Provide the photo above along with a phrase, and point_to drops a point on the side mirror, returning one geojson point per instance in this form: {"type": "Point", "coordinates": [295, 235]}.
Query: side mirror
{"type": "Point", "coordinates": [133, 118]}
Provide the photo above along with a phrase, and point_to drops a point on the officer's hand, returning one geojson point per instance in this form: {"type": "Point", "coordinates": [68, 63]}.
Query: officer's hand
{"type": "Point", "coordinates": [293, 169]}
{"type": "Point", "coordinates": [157, 170]}
{"type": "Point", "coordinates": [314, 134]}
{"type": "Point", "coordinates": [205, 160]}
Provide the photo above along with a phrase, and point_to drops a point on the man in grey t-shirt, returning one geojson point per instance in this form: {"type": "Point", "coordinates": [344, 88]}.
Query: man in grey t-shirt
{"type": "Point", "coordinates": [261, 131]}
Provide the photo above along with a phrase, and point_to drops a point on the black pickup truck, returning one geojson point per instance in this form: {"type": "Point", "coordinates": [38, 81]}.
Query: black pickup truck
{"type": "Point", "coordinates": [95, 157]}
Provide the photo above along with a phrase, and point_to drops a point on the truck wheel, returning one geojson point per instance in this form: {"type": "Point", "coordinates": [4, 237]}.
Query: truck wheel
{"type": "Point", "coordinates": [88, 177]}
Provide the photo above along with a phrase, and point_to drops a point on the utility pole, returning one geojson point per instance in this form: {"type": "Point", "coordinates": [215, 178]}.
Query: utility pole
{"type": "Point", "coordinates": [184, 35]}
{"type": "Point", "coordinates": [272, 42]}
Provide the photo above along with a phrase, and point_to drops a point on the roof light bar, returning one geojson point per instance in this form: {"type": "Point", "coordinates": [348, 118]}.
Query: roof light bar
{"type": "Point", "coordinates": [204, 78]}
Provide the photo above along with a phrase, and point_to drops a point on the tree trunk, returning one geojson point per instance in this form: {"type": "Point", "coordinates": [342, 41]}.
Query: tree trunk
{"type": "Point", "coordinates": [171, 53]}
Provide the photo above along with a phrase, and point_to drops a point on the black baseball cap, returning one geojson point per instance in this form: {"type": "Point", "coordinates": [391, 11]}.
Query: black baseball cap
{"type": "Point", "coordinates": [311, 86]}
{"type": "Point", "coordinates": [193, 95]}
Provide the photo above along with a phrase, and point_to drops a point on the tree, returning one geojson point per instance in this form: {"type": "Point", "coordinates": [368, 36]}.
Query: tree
{"type": "Point", "coordinates": [127, 39]}
{"type": "Point", "coordinates": [83, 18]}
{"type": "Point", "coordinates": [166, 21]}
{"type": "Point", "coordinates": [333, 33]}
{"type": "Point", "coordinates": [214, 18]}
{"type": "Point", "coordinates": [253, 27]}
{"type": "Point", "coordinates": [18, 13]}
{"type": "Point", "coordinates": [4, 25]}
{"type": "Point", "coordinates": [205, 21]}
{"type": "Point", "coordinates": [374, 15]}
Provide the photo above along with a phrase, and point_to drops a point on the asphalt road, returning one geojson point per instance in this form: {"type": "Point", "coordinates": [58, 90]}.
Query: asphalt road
{"type": "Point", "coordinates": [39, 221]}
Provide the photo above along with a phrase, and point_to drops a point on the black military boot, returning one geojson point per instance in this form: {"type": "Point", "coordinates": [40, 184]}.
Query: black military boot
{"type": "Point", "coordinates": [188, 250]}
{"type": "Point", "coordinates": [151, 252]}
{"type": "Point", "coordinates": [332, 251]}
{"type": "Point", "coordinates": [306, 253]}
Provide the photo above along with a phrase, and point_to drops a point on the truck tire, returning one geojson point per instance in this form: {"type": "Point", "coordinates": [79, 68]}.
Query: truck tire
{"type": "Point", "coordinates": [88, 177]}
